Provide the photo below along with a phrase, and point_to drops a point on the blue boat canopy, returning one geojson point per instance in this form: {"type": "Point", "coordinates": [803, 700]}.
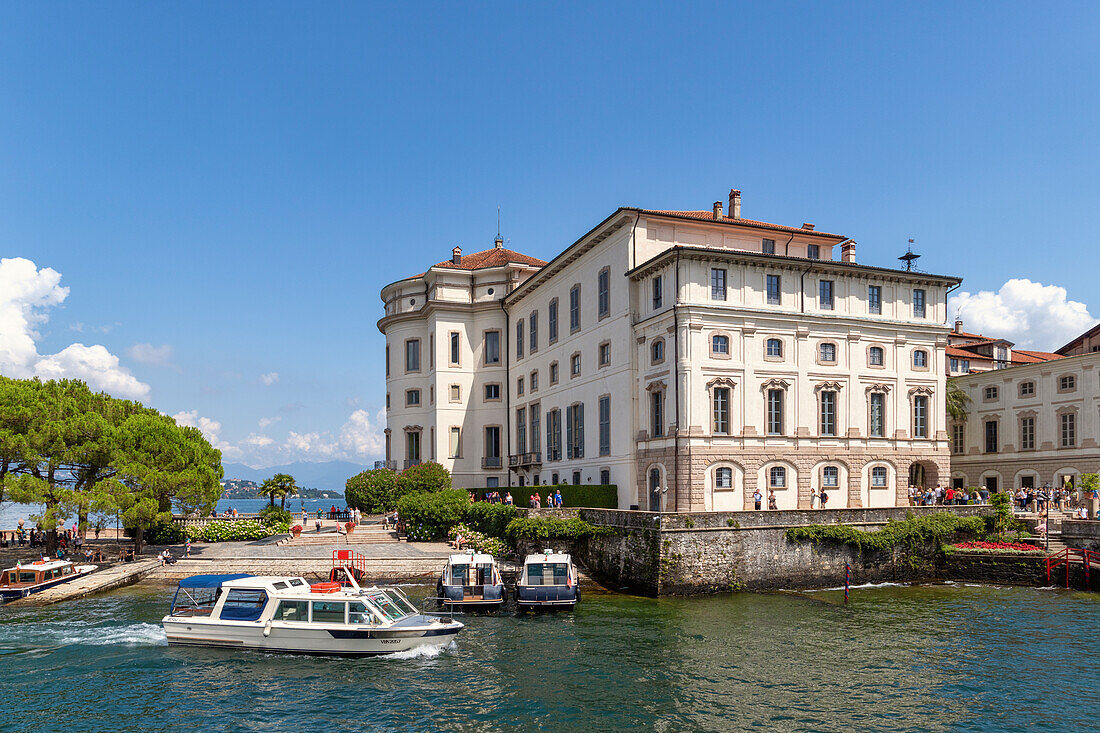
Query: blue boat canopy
{"type": "Point", "coordinates": [210, 581]}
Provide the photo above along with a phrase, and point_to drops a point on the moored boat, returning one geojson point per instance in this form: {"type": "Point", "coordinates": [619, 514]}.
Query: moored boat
{"type": "Point", "coordinates": [470, 580]}
{"type": "Point", "coordinates": [287, 614]}
{"type": "Point", "coordinates": [22, 580]}
{"type": "Point", "coordinates": [548, 580]}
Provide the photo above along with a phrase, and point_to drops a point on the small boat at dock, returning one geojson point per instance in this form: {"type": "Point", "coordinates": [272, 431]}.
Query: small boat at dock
{"type": "Point", "coordinates": [470, 580]}
{"type": "Point", "coordinates": [23, 580]}
{"type": "Point", "coordinates": [548, 580]}
{"type": "Point", "coordinates": [288, 614]}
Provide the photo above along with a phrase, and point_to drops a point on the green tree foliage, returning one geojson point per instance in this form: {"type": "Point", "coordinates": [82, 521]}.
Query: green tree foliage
{"type": "Point", "coordinates": [490, 519]}
{"type": "Point", "coordinates": [911, 534]}
{"type": "Point", "coordinates": [430, 515]}
{"type": "Point", "coordinates": [280, 486]}
{"type": "Point", "coordinates": [372, 492]}
{"type": "Point", "coordinates": [543, 530]}
{"type": "Point", "coordinates": [424, 477]}
{"type": "Point", "coordinates": [74, 450]}
{"type": "Point", "coordinates": [958, 402]}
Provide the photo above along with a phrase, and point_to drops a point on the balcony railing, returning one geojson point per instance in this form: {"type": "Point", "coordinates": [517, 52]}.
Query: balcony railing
{"type": "Point", "coordinates": [491, 462]}
{"type": "Point", "coordinates": [524, 460]}
{"type": "Point", "coordinates": [410, 462]}
{"type": "Point", "coordinates": [392, 465]}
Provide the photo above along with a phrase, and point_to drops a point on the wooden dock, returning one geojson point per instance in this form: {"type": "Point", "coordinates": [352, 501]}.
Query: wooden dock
{"type": "Point", "coordinates": [115, 576]}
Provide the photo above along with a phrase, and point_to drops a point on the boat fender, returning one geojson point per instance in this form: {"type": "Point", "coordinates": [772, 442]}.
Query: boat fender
{"type": "Point", "coordinates": [267, 629]}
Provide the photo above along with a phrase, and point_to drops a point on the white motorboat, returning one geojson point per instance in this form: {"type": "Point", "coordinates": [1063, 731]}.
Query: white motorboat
{"type": "Point", "coordinates": [470, 580]}
{"type": "Point", "coordinates": [287, 614]}
{"type": "Point", "coordinates": [548, 580]}
{"type": "Point", "coordinates": [22, 580]}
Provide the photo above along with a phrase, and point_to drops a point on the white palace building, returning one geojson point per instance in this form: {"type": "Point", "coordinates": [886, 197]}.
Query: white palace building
{"type": "Point", "coordinates": [688, 357]}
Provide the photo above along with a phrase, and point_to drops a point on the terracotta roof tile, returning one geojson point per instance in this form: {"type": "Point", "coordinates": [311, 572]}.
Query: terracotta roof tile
{"type": "Point", "coordinates": [1023, 356]}
{"type": "Point", "coordinates": [956, 351]}
{"type": "Point", "coordinates": [495, 257]}
{"type": "Point", "coordinates": [709, 216]}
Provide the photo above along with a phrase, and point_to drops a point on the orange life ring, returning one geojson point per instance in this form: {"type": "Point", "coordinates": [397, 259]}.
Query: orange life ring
{"type": "Point", "coordinates": [325, 587]}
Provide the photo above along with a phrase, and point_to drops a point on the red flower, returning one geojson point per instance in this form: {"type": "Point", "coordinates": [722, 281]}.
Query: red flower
{"type": "Point", "coordinates": [981, 545]}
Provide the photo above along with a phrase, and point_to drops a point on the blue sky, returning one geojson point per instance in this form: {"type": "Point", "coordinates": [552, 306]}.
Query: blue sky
{"type": "Point", "coordinates": [224, 189]}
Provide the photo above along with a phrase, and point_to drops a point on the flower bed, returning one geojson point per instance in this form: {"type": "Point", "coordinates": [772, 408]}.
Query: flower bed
{"type": "Point", "coordinates": [478, 541]}
{"type": "Point", "coordinates": [994, 547]}
{"type": "Point", "coordinates": [235, 531]}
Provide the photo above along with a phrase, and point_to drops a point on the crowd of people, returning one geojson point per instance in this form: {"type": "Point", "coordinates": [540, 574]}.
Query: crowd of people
{"type": "Point", "coordinates": [946, 495]}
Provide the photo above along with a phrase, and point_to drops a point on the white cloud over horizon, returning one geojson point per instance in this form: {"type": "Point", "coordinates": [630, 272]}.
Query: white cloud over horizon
{"type": "Point", "coordinates": [149, 354]}
{"type": "Point", "coordinates": [269, 379]}
{"type": "Point", "coordinates": [27, 294]}
{"type": "Point", "coordinates": [1030, 314]}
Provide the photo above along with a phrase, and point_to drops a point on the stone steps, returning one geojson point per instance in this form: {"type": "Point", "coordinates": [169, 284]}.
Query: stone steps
{"type": "Point", "coordinates": [366, 537]}
{"type": "Point", "coordinates": [376, 569]}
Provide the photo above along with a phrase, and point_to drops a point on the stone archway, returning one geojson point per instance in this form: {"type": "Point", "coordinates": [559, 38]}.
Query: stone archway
{"type": "Point", "coordinates": [924, 474]}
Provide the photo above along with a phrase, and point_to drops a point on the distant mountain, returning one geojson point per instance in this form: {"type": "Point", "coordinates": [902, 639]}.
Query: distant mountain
{"type": "Point", "coordinates": [330, 475]}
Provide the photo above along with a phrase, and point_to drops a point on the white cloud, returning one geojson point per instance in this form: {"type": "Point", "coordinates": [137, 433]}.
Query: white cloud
{"type": "Point", "coordinates": [361, 436]}
{"type": "Point", "coordinates": [149, 354]}
{"type": "Point", "coordinates": [257, 440]}
{"type": "Point", "coordinates": [26, 295]}
{"type": "Point", "coordinates": [1033, 315]}
{"type": "Point", "coordinates": [211, 429]}
{"type": "Point", "coordinates": [266, 422]}
{"type": "Point", "coordinates": [270, 378]}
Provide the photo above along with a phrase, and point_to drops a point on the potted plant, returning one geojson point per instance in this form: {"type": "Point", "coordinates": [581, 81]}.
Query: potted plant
{"type": "Point", "coordinates": [349, 527]}
{"type": "Point", "coordinates": [296, 530]}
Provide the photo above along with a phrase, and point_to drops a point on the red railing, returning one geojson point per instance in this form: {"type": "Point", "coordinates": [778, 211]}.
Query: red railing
{"type": "Point", "coordinates": [1068, 557]}
{"type": "Point", "coordinates": [349, 559]}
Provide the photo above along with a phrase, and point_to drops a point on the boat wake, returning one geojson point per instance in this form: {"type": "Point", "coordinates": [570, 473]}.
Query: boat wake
{"type": "Point", "coordinates": [420, 652]}
{"type": "Point", "coordinates": [858, 587]}
{"type": "Point", "coordinates": [131, 635]}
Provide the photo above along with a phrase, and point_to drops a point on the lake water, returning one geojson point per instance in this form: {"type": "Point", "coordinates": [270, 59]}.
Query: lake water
{"type": "Point", "coordinates": [937, 658]}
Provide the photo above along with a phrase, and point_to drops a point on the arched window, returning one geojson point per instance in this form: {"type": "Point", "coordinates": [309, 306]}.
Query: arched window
{"type": "Point", "coordinates": [827, 353]}
{"type": "Point", "coordinates": [657, 351]}
{"type": "Point", "coordinates": [920, 359]}
{"type": "Point", "coordinates": [830, 477]}
{"type": "Point", "coordinates": [723, 478]}
{"type": "Point", "coordinates": [878, 476]}
{"type": "Point", "coordinates": [777, 477]}
{"type": "Point", "coordinates": [875, 356]}
{"type": "Point", "coordinates": [775, 348]}
{"type": "Point", "coordinates": [720, 345]}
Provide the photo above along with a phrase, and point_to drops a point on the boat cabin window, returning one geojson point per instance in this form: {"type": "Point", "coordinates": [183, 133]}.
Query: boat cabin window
{"type": "Point", "coordinates": [244, 604]}
{"type": "Point", "coordinates": [280, 585]}
{"type": "Point", "coordinates": [67, 570]}
{"type": "Point", "coordinates": [547, 573]}
{"type": "Point", "coordinates": [292, 611]}
{"type": "Point", "coordinates": [295, 582]}
{"type": "Point", "coordinates": [27, 576]}
{"type": "Point", "coordinates": [358, 613]}
{"type": "Point", "coordinates": [460, 574]}
{"type": "Point", "coordinates": [328, 612]}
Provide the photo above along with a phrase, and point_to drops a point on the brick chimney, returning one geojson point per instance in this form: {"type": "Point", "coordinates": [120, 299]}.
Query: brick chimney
{"type": "Point", "coordinates": [456, 256]}
{"type": "Point", "coordinates": [735, 203]}
{"type": "Point", "coordinates": [848, 252]}
{"type": "Point", "coordinates": [717, 209]}
{"type": "Point", "coordinates": [958, 325]}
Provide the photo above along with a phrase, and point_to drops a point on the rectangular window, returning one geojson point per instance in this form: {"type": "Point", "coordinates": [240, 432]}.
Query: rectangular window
{"type": "Point", "coordinates": [768, 247]}
{"type": "Point", "coordinates": [454, 448]}
{"type": "Point", "coordinates": [657, 417]}
{"type": "Point", "coordinates": [825, 290]}
{"type": "Point", "coordinates": [1027, 433]}
{"type": "Point", "coordinates": [830, 477]}
{"type": "Point", "coordinates": [431, 351]}
{"type": "Point", "coordinates": [775, 412]}
{"type": "Point", "coordinates": [1069, 429]}
{"type": "Point", "coordinates": [412, 398]}
{"type": "Point", "coordinates": [605, 354]}
{"type": "Point", "coordinates": [533, 332]}
{"type": "Point", "coordinates": [553, 435]}
{"type": "Point", "coordinates": [774, 293]}
{"type": "Point", "coordinates": [605, 477]}
{"type": "Point", "coordinates": [828, 413]}
{"type": "Point", "coordinates": [1067, 384]}
{"type": "Point", "coordinates": [658, 295]}
{"type": "Point", "coordinates": [958, 438]}
{"type": "Point", "coordinates": [412, 355]}
{"type": "Point", "coordinates": [492, 347]}
{"type": "Point", "coordinates": [603, 291]}
{"type": "Point", "coordinates": [720, 345]}
{"type": "Point", "coordinates": [991, 443]}
{"type": "Point", "coordinates": [456, 393]}
{"type": "Point", "coordinates": [521, 430]}
{"type": "Point", "coordinates": [721, 410]}
{"type": "Point", "coordinates": [387, 360]}
{"type": "Point", "coordinates": [874, 299]}
{"type": "Point", "coordinates": [918, 303]}
{"type": "Point", "coordinates": [575, 365]}
{"type": "Point", "coordinates": [920, 416]}
{"type": "Point", "coordinates": [877, 426]}
{"type": "Point", "coordinates": [991, 393]}
{"type": "Point", "coordinates": [553, 372]}
{"type": "Point", "coordinates": [492, 392]}
{"type": "Point", "coordinates": [574, 431]}
{"type": "Point", "coordinates": [412, 446]}
{"type": "Point", "coordinates": [519, 339]}
{"type": "Point", "coordinates": [1027, 389]}
{"type": "Point", "coordinates": [552, 321]}
{"type": "Point", "coordinates": [717, 284]}
{"type": "Point", "coordinates": [813, 251]}
{"type": "Point", "coordinates": [605, 426]}
{"type": "Point", "coordinates": [535, 436]}
{"type": "Point", "coordinates": [534, 381]}
{"type": "Point", "coordinates": [574, 308]}
{"type": "Point", "coordinates": [519, 387]}
{"type": "Point", "coordinates": [456, 345]}
{"type": "Point", "coordinates": [954, 365]}
{"type": "Point", "coordinates": [292, 611]}
{"type": "Point", "coordinates": [328, 612]}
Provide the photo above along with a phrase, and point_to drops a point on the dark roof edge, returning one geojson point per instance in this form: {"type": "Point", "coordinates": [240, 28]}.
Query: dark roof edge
{"type": "Point", "coordinates": [1092, 331]}
{"type": "Point", "coordinates": [751, 224]}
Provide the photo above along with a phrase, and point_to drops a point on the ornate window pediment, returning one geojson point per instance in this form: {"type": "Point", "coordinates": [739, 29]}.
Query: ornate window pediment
{"type": "Point", "coordinates": [775, 384]}
{"type": "Point", "coordinates": [1026, 413]}
{"type": "Point", "coordinates": [880, 388]}
{"type": "Point", "coordinates": [721, 382]}
{"type": "Point", "coordinates": [414, 428]}
{"type": "Point", "coordinates": [828, 387]}
{"type": "Point", "coordinates": [922, 390]}
{"type": "Point", "coordinates": [656, 387]}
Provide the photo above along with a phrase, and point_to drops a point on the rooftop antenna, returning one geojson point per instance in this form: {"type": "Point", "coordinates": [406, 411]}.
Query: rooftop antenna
{"type": "Point", "coordinates": [908, 257]}
{"type": "Point", "coordinates": [499, 241]}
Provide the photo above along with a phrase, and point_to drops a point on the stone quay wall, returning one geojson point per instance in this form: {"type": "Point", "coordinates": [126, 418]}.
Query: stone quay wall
{"type": "Point", "coordinates": [710, 552]}
{"type": "Point", "coordinates": [1084, 534]}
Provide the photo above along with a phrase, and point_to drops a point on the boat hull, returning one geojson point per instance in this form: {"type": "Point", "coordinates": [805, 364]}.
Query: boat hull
{"type": "Point", "coordinates": [475, 597]}
{"type": "Point", "coordinates": [11, 593]}
{"type": "Point", "coordinates": [547, 596]}
{"type": "Point", "coordinates": [344, 641]}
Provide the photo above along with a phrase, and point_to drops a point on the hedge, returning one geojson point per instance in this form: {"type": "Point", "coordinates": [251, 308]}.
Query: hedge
{"type": "Point", "coordinates": [490, 519]}
{"type": "Point", "coordinates": [430, 515]}
{"type": "Point", "coordinates": [594, 496]}
{"type": "Point", "coordinates": [542, 529]}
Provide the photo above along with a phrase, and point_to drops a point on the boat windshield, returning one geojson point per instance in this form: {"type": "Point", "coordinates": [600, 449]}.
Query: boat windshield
{"type": "Point", "coordinates": [194, 601]}
{"type": "Point", "coordinates": [389, 605]}
{"type": "Point", "coordinates": [403, 602]}
{"type": "Point", "coordinates": [547, 573]}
